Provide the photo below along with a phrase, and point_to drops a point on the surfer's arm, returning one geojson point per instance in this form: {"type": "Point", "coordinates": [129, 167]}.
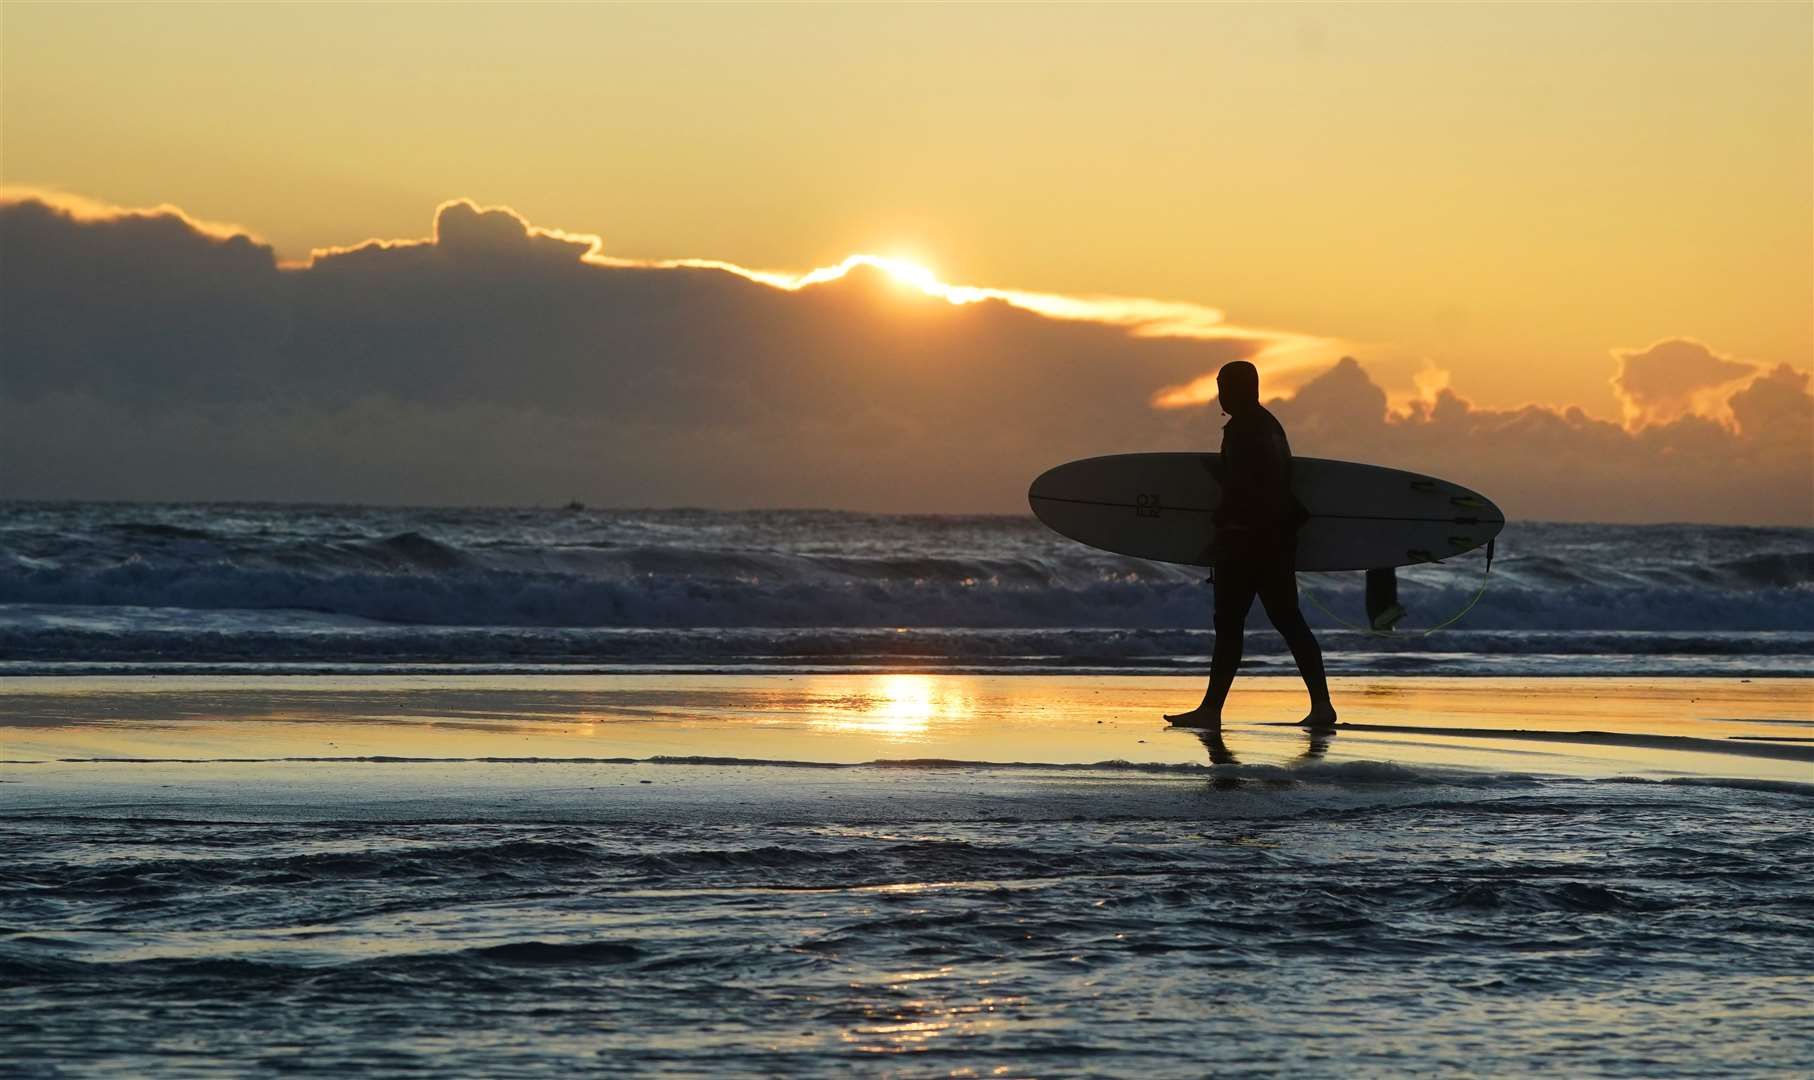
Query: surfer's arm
{"type": "Point", "coordinates": [1236, 473]}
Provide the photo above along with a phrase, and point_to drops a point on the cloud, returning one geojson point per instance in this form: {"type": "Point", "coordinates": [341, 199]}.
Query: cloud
{"type": "Point", "coordinates": [142, 304]}
{"type": "Point", "coordinates": [420, 370]}
{"type": "Point", "coordinates": [496, 231]}
{"type": "Point", "coordinates": [143, 355]}
{"type": "Point", "coordinates": [466, 230]}
{"type": "Point", "coordinates": [84, 209]}
{"type": "Point", "coordinates": [1672, 379]}
{"type": "Point", "coordinates": [1773, 410]}
{"type": "Point", "coordinates": [1543, 462]}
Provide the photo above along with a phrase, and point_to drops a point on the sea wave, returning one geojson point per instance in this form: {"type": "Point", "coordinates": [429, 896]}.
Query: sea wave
{"type": "Point", "coordinates": [974, 595]}
{"type": "Point", "coordinates": [38, 639]}
{"type": "Point", "coordinates": [256, 583]}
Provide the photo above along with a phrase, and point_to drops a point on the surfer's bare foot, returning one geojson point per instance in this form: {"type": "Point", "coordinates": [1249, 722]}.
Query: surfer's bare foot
{"type": "Point", "coordinates": [1201, 716]}
{"type": "Point", "coordinates": [1321, 715]}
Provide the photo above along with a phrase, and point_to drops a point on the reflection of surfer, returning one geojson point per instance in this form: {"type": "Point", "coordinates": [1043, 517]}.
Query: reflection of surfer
{"type": "Point", "coordinates": [1320, 734]}
{"type": "Point", "coordinates": [1256, 547]}
{"type": "Point", "coordinates": [1221, 754]}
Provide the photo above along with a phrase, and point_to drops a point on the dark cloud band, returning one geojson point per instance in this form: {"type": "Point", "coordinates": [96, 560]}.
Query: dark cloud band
{"type": "Point", "coordinates": [143, 356]}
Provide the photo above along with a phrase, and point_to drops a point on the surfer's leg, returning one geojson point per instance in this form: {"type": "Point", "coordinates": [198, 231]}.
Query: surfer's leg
{"type": "Point", "coordinates": [1235, 587]}
{"type": "Point", "coordinates": [1279, 595]}
{"type": "Point", "coordinates": [1235, 584]}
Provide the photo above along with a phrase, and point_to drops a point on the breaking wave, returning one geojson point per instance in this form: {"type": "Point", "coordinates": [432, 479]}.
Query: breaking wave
{"type": "Point", "coordinates": [263, 583]}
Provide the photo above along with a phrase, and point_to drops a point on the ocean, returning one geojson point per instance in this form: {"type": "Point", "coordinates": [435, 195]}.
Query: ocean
{"type": "Point", "coordinates": [395, 792]}
{"type": "Point", "coordinates": [1339, 924]}
{"type": "Point", "coordinates": [133, 588]}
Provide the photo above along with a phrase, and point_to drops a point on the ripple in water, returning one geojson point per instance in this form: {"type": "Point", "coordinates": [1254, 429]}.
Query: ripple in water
{"type": "Point", "coordinates": [1575, 927]}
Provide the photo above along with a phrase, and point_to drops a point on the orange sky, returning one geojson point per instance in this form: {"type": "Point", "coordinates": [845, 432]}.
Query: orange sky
{"type": "Point", "coordinates": [1503, 193]}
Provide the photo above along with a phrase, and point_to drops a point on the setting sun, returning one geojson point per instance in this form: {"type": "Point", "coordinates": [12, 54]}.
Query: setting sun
{"type": "Point", "coordinates": [907, 273]}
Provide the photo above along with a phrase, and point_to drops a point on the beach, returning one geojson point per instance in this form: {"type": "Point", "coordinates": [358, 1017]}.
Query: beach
{"type": "Point", "coordinates": [660, 540]}
{"type": "Point", "coordinates": [516, 792]}
{"type": "Point", "coordinates": [903, 874]}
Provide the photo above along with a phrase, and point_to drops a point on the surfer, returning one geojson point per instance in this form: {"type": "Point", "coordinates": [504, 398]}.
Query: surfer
{"type": "Point", "coordinates": [1256, 548]}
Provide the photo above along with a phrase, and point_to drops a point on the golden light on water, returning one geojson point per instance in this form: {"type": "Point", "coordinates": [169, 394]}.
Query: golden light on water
{"type": "Point", "coordinates": [901, 706]}
{"type": "Point", "coordinates": [906, 706]}
{"type": "Point", "coordinates": [910, 1009]}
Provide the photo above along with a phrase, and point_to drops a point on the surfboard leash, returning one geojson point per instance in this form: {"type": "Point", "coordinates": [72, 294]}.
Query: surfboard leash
{"type": "Point", "coordinates": [1450, 621]}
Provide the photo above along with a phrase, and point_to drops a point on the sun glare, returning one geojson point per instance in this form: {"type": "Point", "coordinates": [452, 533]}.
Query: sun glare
{"type": "Point", "coordinates": [902, 271]}
{"type": "Point", "coordinates": [909, 273]}
{"type": "Point", "coordinates": [1140, 316]}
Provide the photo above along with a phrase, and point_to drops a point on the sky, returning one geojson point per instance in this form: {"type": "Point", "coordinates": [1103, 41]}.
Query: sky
{"type": "Point", "coordinates": [1602, 212]}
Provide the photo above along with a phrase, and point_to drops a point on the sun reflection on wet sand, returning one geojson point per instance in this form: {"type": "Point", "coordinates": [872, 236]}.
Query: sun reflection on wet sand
{"type": "Point", "coordinates": [1592, 727]}
{"type": "Point", "coordinates": [897, 706]}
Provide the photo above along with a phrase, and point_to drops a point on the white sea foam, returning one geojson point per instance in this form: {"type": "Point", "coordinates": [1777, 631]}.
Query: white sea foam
{"type": "Point", "coordinates": [144, 584]}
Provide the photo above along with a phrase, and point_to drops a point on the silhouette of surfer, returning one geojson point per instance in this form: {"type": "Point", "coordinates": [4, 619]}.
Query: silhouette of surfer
{"type": "Point", "coordinates": [1256, 548]}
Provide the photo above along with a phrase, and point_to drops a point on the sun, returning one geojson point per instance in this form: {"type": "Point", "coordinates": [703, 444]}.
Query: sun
{"type": "Point", "coordinates": [912, 275]}
{"type": "Point", "coordinates": [908, 272]}
{"type": "Point", "coordinates": [904, 272]}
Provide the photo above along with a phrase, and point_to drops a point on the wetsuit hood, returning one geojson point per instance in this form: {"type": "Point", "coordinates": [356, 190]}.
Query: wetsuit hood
{"type": "Point", "coordinates": [1238, 387]}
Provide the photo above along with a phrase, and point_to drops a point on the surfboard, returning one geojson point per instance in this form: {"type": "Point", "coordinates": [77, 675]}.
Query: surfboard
{"type": "Point", "coordinates": [1362, 517]}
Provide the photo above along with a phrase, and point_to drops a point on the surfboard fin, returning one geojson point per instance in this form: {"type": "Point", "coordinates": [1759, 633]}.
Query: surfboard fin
{"type": "Point", "coordinates": [1383, 609]}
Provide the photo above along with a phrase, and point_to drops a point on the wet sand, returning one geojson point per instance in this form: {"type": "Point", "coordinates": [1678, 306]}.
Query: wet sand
{"type": "Point", "coordinates": [902, 875]}
{"type": "Point", "coordinates": [86, 739]}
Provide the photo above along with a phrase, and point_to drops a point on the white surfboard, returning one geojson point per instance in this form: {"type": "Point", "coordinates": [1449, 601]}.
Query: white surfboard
{"type": "Point", "coordinates": [1362, 517]}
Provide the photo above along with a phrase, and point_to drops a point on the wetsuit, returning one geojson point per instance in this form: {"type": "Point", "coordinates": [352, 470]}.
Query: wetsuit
{"type": "Point", "coordinates": [1258, 515]}
{"type": "Point", "coordinates": [1256, 547]}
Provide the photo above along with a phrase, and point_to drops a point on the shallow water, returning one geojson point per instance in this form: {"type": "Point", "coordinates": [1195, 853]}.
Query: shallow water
{"type": "Point", "coordinates": [903, 876]}
{"type": "Point", "coordinates": [982, 922]}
